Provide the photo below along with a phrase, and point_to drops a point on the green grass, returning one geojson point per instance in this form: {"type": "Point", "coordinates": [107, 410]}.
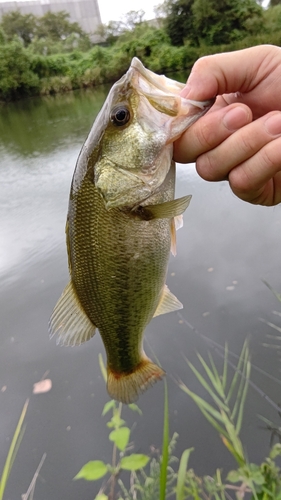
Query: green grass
{"type": "Point", "coordinates": [12, 453]}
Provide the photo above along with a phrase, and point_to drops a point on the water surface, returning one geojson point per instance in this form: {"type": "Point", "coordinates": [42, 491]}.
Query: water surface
{"type": "Point", "coordinates": [225, 249]}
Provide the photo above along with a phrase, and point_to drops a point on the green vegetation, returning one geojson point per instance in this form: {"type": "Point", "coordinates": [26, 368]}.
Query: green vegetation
{"type": "Point", "coordinates": [12, 453]}
{"type": "Point", "coordinates": [17, 437]}
{"type": "Point", "coordinates": [50, 54]}
{"type": "Point", "coordinates": [160, 475]}
{"type": "Point", "coordinates": [49, 29]}
{"type": "Point", "coordinates": [164, 476]}
{"type": "Point", "coordinates": [211, 21]}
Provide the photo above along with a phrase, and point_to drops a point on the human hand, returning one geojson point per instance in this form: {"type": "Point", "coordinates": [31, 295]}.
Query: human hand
{"type": "Point", "coordinates": [239, 139]}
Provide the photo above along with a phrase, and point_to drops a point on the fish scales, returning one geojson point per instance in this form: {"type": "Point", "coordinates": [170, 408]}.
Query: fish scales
{"type": "Point", "coordinates": [121, 226]}
{"type": "Point", "coordinates": [107, 283]}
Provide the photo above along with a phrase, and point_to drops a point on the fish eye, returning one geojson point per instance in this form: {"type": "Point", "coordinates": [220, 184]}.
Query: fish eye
{"type": "Point", "coordinates": [120, 116]}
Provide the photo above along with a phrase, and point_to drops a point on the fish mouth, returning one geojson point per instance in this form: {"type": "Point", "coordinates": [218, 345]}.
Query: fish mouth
{"type": "Point", "coordinates": [165, 85]}
{"type": "Point", "coordinates": [160, 81]}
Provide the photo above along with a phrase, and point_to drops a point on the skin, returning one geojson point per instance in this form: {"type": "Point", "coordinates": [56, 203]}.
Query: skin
{"type": "Point", "coordinates": [239, 139]}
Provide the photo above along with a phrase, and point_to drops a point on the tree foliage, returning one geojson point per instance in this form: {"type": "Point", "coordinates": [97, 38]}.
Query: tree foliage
{"type": "Point", "coordinates": [43, 32]}
{"type": "Point", "coordinates": [16, 76]}
{"type": "Point", "coordinates": [179, 21]}
{"type": "Point", "coordinates": [57, 26]}
{"type": "Point", "coordinates": [58, 62]}
{"type": "Point", "coordinates": [211, 21]}
{"type": "Point", "coordinates": [272, 18]}
{"type": "Point", "coordinates": [21, 25]}
{"type": "Point", "coordinates": [113, 30]}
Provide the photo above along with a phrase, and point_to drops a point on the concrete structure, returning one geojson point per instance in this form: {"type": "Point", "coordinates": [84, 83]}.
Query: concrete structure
{"type": "Point", "coordinates": [84, 12]}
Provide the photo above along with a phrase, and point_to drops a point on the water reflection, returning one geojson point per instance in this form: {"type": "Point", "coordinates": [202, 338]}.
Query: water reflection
{"type": "Point", "coordinates": [224, 249]}
{"type": "Point", "coordinates": [41, 125]}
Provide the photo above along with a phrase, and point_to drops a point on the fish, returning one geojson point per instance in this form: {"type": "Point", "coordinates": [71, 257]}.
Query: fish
{"type": "Point", "coordinates": [121, 225]}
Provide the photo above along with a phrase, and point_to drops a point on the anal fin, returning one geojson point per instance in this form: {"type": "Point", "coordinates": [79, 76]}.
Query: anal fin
{"type": "Point", "coordinates": [168, 302]}
{"type": "Point", "coordinates": [69, 320]}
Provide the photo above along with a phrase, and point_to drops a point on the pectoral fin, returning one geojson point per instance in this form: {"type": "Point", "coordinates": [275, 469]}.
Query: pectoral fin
{"type": "Point", "coordinates": [69, 320]}
{"type": "Point", "coordinates": [167, 303]}
{"type": "Point", "coordinates": [166, 210]}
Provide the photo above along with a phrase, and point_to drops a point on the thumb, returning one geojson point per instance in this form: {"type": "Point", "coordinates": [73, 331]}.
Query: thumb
{"type": "Point", "coordinates": [238, 71]}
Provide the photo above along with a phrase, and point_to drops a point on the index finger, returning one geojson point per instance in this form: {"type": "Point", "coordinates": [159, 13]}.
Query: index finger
{"type": "Point", "coordinates": [238, 71]}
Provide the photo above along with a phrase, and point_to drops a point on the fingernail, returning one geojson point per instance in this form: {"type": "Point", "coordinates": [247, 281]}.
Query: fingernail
{"type": "Point", "coordinates": [236, 118]}
{"type": "Point", "coordinates": [273, 124]}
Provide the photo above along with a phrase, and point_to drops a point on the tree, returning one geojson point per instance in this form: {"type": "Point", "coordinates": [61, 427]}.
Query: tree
{"type": "Point", "coordinates": [211, 21]}
{"type": "Point", "coordinates": [223, 21]}
{"type": "Point", "coordinates": [110, 32]}
{"type": "Point", "coordinates": [179, 21]}
{"type": "Point", "coordinates": [21, 25]}
{"type": "Point", "coordinates": [133, 18]}
{"type": "Point", "coordinates": [57, 26]}
{"type": "Point", "coordinates": [17, 78]}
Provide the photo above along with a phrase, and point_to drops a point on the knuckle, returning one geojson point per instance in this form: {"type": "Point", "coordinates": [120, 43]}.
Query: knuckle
{"type": "Point", "coordinates": [248, 144]}
{"type": "Point", "coordinates": [241, 181]}
{"type": "Point", "coordinates": [206, 135]}
{"type": "Point", "coordinates": [270, 156]}
{"type": "Point", "coordinates": [207, 167]}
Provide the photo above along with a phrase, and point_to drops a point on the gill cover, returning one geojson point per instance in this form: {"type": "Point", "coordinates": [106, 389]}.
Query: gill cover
{"type": "Point", "coordinates": [130, 147]}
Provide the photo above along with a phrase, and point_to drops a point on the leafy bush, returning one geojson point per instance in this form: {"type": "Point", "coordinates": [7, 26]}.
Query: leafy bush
{"type": "Point", "coordinates": [17, 78]}
{"type": "Point", "coordinates": [46, 65]}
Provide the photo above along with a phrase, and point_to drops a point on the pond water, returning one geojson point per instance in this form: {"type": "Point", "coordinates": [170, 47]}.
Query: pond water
{"type": "Point", "coordinates": [225, 249]}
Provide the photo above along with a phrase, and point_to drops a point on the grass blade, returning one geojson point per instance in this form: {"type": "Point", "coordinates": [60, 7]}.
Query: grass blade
{"type": "Point", "coordinates": [102, 368]}
{"type": "Point", "coordinates": [277, 295]}
{"type": "Point", "coordinates": [225, 367]}
{"type": "Point", "coordinates": [237, 372]}
{"type": "Point", "coordinates": [182, 473]}
{"type": "Point", "coordinates": [165, 447]}
{"type": "Point", "coordinates": [31, 487]}
{"type": "Point", "coordinates": [206, 386]}
{"type": "Point", "coordinates": [213, 375]}
{"type": "Point", "coordinates": [12, 451]}
{"type": "Point", "coordinates": [210, 413]}
{"type": "Point", "coordinates": [243, 383]}
{"type": "Point", "coordinates": [243, 398]}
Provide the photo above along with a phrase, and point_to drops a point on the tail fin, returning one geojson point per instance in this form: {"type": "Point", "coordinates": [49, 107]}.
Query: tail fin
{"type": "Point", "coordinates": [127, 387]}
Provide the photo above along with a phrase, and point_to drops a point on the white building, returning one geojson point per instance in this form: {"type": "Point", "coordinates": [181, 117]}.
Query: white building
{"type": "Point", "coordinates": [84, 12]}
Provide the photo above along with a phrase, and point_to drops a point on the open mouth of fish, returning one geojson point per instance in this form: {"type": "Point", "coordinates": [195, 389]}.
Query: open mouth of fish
{"type": "Point", "coordinates": [166, 86]}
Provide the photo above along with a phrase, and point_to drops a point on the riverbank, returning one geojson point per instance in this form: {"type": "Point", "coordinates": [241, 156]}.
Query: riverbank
{"type": "Point", "coordinates": [23, 73]}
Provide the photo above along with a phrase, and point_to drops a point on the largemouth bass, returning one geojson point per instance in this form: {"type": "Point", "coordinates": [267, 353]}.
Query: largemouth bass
{"type": "Point", "coordinates": [121, 225]}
